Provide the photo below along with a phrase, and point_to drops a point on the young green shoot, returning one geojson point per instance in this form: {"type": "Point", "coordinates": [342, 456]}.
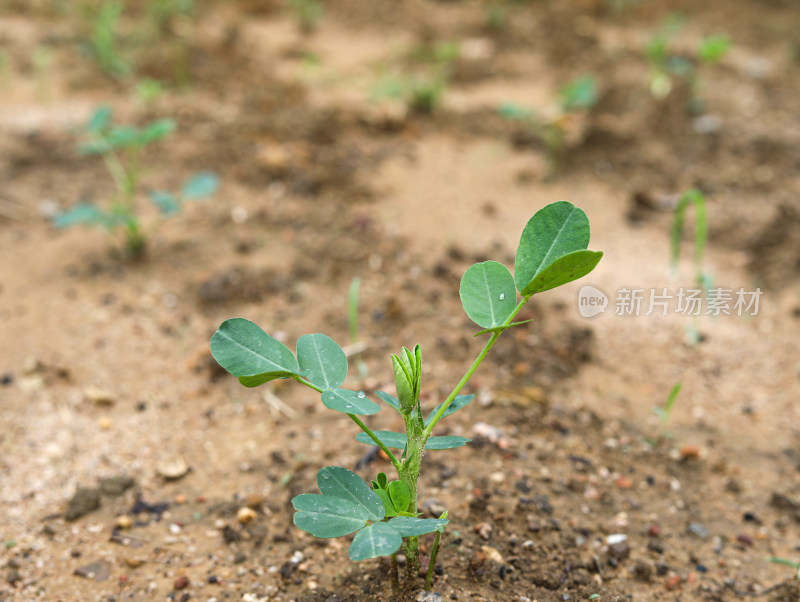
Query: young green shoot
{"type": "Point", "coordinates": [665, 412]}
{"type": "Point", "coordinates": [703, 279]}
{"type": "Point", "coordinates": [352, 315]}
{"type": "Point", "coordinates": [121, 148]}
{"type": "Point", "coordinates": [795, 565]}
{"type": "Point", "coordinates": [552, 127]}
{"type": "Point", "coordinates": [384, 515]}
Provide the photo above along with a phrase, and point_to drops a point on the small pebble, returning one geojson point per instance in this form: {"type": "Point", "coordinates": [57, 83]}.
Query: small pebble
{"type": "Point", "coordinates": [172, 468]}
{"type": "Point", "coordinates": [492, 555]}
{"type": "Point", "coordinates": [123, 522]}
{"type": "Point", "coordinates": [84, 501]}
{"type": "Point", "coordinates": [698, 531]}
{"type": "Point", "coordinates": [181, 582]}
{"type": "Point", "coordinates": [99, 396]}
{"type": "Point", "coordinates": [690, 452]}
{"type": "Point", "coordinates": [654, 530]}
{"type": "Point", "coordinates": [246, 515]}
{"type": "Point", "coordinates": [745, 539]}
{"type": "Point", "coordinates": [484, 530]}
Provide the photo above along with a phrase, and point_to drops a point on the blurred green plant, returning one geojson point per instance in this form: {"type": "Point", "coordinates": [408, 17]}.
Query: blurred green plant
{"type": "Point", "coordinates": [306, 13]}
{"type": "Point", "coordinates": [664, 412]}
{"type": "Point", "coordinates": [577, 97]}
{"type": "Point", "coordinates": [665, 64]}
{"type": "Point", "coordinates": [148, 91]}
{"type": "Point", "coordinates": [795, 565]}
{"type": "Point", "coordinates": [121, 148]}
{"type": "Point", "coordinates": [103, 40]}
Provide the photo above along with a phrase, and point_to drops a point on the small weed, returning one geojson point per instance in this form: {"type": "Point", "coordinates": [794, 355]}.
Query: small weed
{"type": "Point", "coordinates": [552, 130]}
{"type": "Point", "coordinates": [384, 515]}
{"type": "Point", "coordinates": [103, 41]}
{"type": "Point", "coordinates": [795, 565]}
{"type": "Point", "coordinates": [702, 278]}
{"type": "Point", "coordinates": [665, 412]}
{"type": "Point", "coordinates": [121, 148]}
{"type": "Point", "coordinates": [306, 13]}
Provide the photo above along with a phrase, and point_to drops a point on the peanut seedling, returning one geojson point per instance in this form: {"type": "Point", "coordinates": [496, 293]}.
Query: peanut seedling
{"type": "Point", "coordinates": [384, 515]}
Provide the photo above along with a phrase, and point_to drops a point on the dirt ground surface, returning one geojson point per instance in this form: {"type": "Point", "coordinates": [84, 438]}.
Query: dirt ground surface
{"type": "Point", "coordinates": [127, 455]}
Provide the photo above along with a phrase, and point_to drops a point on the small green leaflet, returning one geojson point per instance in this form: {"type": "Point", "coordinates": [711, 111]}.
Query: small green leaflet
{"type": "Point", "coordinates": [488, 294]}
{"type": "Point", "coordinates": [389, 399]}
{"type": "Point", "coordinates": [200, 185]}
{"type": "Point", "coordinates": [379, 539]}
{"type": "Point", "coordinates": [166, 203]}
{"type": "Point", "coordinates": [349, 402]}
{"type": "Point", "coordinates": [459, 401]}
{"type": "Point", "coordinates": [322, 360]}
{"type": "Point", "coordinates": [399, 440]}
{"type": "Point", "coordinates": [326, 516]}
{"type": "Point", "coordinates": [250, 354]}
{"type": "Point", "coordinates": [547, 255]}
{"type": "Point", "coordinates": [409, 526]}
{"type": "Point", "coordinates": [335, 481]}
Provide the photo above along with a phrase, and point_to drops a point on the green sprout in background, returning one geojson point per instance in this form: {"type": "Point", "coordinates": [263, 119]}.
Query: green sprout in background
{"type": "Point", "coordinates": [575, 98]}
{"type": "Point", "coordinates": [121, 148]}
{"type": "Point", "coordinates": [665, 412]}
{"type": "Point", "coordinates": [795, 565]}
{"type": "Point", "coordinates": [703, 279]}
{"type": "Point", "coordinates": [665, 64]}
{"type": "Point", "coordinates": [306, 13]}
{"type": "Point", "coordinates": [384, 516]}
{"type": "Point", "coordinates": [103, 41]}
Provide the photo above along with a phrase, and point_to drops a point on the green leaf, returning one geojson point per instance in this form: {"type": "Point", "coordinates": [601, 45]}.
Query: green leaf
{"type": "Point", "coordinates": [166, 203]}
{"type": "Point", "coordinates": [382, 480]}
{"type": "Point", "coordinates": [488, 293]}
{"type": "Point", "coordinates": [99, 120]}
{"type": "Point", "coordinates": [554, 231]}
{"type": "Point", "coordinates": [85, 214]}
{"type": "Point", "coordinates": [458, 402]}
{"type": "Point", "coordinates": [400, 495]}
{"type": "Point", "coordinates": [388, 438]}
{"type": "Point", "coordinates": [327, 516]}
{"type": "Point", "coordinates": [336, 481]}
{"type": "Point", "coordinates": [501, 328]}
{"type": "Point", "coordinates": [563, 270]}
{"type": "Point", "coordinates": [323, 362]}
{"type": "Point", "coordinates": [95, 147]}
{"type": "Point", "coordinates": [448, 442]}
{"type": "Point", "coordinates": [389, 400]}
{"type": "Point", "coordinates": [378, 539]}
{"type": "Point", "coordinates": [121, 136]}
{"type": "Point", "coordinates": [250, 354]}
{"type": "Point", "coordinates": [200, 185]}
{"type": "Point", "coordinates": [579, 94]}
{"type": "Point", "coordinates": [399, 440]}
{"type": "Point", "coordinates": [388, 505]}
{"type": "Point", "coordinates": [349, 402]}
{"type": "Point", "coordinates": [409, 526]}
{"type": "Point", "coordinates": [155, 130]}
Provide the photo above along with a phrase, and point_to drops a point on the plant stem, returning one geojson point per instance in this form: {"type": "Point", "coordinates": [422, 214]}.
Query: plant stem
{"type": "Point", "coordinates": [432, 563]}
{"type": "Point", "coordinates": [489, 344]}
{"type": "Point", "coordinates": [394, 575]}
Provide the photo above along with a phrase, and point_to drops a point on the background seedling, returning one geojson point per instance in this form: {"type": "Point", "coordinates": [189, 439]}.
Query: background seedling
{"type": "Point", "coordinates": [385, 517]}
{"type": "Point", "coordinates": [121, 148]}
{"type": "Point", "coordinates": [786, 562]}
{"type": "Point", "coordinates": [665, 412]}
{"type": "Point", "coordinates": [702, 278]}
{"type": "Point", "coordinates": [306, 13]}
{"type": "Point", "coordinates": [103, 41]}
{"type": "Point", "coordinates": [554, 127]}
{"type": "Point", "coordinates": [666, 64]}
{"type": "Point", "coordinates": [352, 315]}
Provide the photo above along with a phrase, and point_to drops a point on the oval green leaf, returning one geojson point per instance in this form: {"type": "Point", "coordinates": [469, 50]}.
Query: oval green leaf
{"type": "Point", "coordinates": [400, 495]}
{"type": "Point", "coordinates": [388, 506]}
{"type": "Point", "coordinates": [378, 539]}
{"type": "Point", "coordinates": [200, 185]}
{"type": "Point", "coordinates": [167, 204]}
{"type": "Point", "coordinates": [554, 231]}
{"type": "Point", "coordinates": [389, 400]}
{"type": "Point", "coordinates": [335, 481]}
{"type": "Point", "coordinates": [388, 438]}
{"type": "Point", "coordinates": [349, 402]}
{"type": "Point", "coordinates": [458, 402]}
{"type": "Point", "coordinates": [250, 354]}
{"type": "Point", "coordinates": [322, 360]}
{"type": "Point", "coordinates": [410, 526]}
{"type": "Point", "coordinates": [563, 270]}
{"type": "Point", "coordinates": [325, 516]}
{"type": "Point", "coordinates": [488, 293]}
{"type": "Point", "coordinates": [448, 442]}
